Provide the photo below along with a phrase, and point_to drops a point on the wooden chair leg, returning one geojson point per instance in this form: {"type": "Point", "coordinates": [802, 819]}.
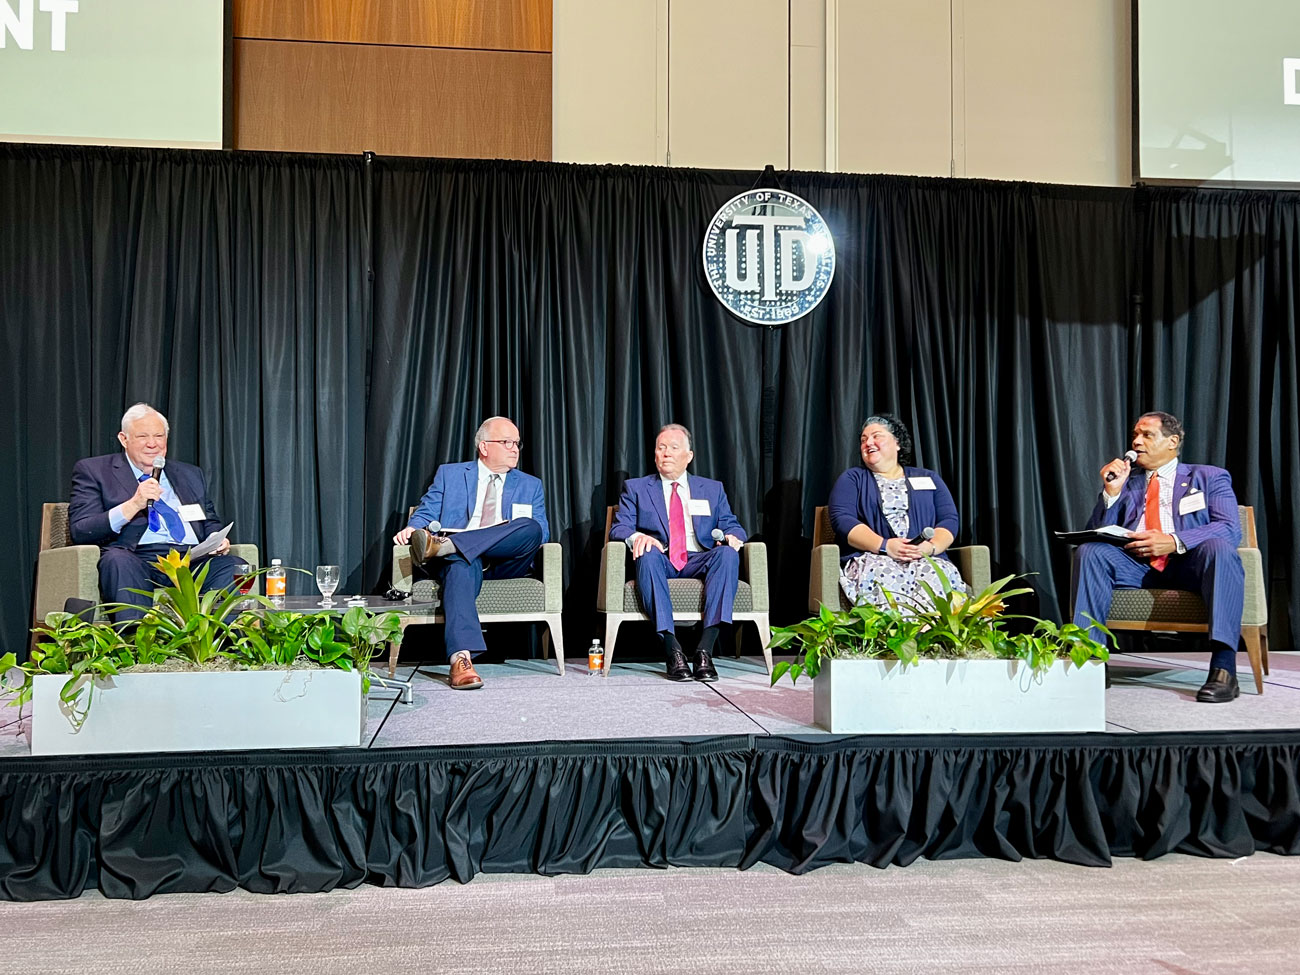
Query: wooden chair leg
{"type": "Point", "coordinates": [1263, 647]}
{"type": "Point", "coordinates": [1250, 634]}
{"type": "Point", "coordinates": [612, 621]}
{"type": "Point", "coordinates": [764, 638]}
{"type": "Point", "coordinates": [555, 634]}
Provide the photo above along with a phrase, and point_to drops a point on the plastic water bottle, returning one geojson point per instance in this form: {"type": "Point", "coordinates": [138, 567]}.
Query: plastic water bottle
{"type": "Point", "coordinates": [275, 583]}
{"type": "Point", "coordinates": [595, 659]}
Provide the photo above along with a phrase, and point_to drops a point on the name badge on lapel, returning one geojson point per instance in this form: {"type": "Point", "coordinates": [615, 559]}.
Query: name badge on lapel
{"type": "Point", "coordinates": [700, 508]}
{"type": "Point", "coordinates": [921, 483]}
{"type": "Point", "coordinates": [193, 512]}
{"type": "Point", "coordinates": [521, 511]}
{"type": "Point", "coordinates": [1192, 501]}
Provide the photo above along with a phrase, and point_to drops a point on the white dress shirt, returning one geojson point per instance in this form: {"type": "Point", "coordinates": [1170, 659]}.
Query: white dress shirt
{"type": "Point", "coordinates": [484, 477]}
{"type": "Point", "coordinates": [1166, 474]}
{"type": "Point", "coordinates": [117, 519]}
{"type": "Point", "coordinates": [683, 492]}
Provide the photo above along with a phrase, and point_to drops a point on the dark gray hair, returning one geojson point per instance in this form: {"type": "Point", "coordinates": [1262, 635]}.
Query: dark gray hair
{"type": "Point", "coordinates": [1170, 426]}
{"type": "Point", "coordinates": [680, 429]}
{"type": "Point", "coordinates": [896, 430]}
{"type": "Point", "coordinates": [138, 412]}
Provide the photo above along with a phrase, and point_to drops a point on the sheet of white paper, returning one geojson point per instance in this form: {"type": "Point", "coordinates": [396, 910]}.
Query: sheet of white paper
{"type": "Point", "coordinates": [209, 544]}
{"type": "Point", "coordinates": [700, 507]}
{"type": "Point", "coordinates": [1115, 530]}
{"type": "Point", "coordinates": [521, 511]}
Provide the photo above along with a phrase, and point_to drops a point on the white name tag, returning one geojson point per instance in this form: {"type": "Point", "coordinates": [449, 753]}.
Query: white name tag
{"type": "Point", "coordinates": [521, 511]}
{"type": "Point", "coordinates": [921, 483]}
{"type": "Point", "coordinates": [699, 508]}
{"type": "Point", "coordinates": [1192, 502]}
{"type": "Point", "coordinates": [193, 512]}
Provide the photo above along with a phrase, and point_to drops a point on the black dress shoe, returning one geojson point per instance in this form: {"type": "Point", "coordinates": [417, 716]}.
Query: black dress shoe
{"type": "Point", "coordinates": [677, 668]}
{"type": "Point", "coordinates": [704, 669]}
{"type": "Point", "coordinates": [1219, 689]}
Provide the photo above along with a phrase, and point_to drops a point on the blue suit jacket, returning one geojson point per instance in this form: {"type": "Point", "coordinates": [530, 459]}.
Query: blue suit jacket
{"type": "Point", "coordinates": [100, 484]}
{"type": "Point", "coordinates": [450, 498]}
{"type": "Point", "coordinates": [641, 508]}
{"type": "Point", "coordinates": [855, 500]}
{"type": "Point", "coordinates": [1218, 519]}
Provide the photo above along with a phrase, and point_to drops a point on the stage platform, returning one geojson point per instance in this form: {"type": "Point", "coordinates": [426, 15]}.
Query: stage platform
{"type": "Point", "coordinates": [527, 700]}
{"type": "Point", "coordinates": [537, 773]}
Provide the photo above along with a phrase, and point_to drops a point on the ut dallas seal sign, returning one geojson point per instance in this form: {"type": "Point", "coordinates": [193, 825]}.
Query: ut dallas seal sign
{"type": "Point", "coordinates": [769, 256]}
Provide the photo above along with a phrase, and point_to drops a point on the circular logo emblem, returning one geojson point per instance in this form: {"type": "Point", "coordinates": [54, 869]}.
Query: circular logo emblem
{"type": "Point", "coordinates": [769, 256]}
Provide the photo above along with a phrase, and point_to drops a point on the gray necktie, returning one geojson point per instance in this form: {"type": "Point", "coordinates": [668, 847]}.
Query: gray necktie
{"type": "Point", "coordinates": [489, 516]}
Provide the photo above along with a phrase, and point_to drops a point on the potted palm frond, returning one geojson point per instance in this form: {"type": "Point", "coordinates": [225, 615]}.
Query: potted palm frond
{"type": "Point", "coordinates": [946, 663]}
{"type": "Point", "coordinates": [199, 672]}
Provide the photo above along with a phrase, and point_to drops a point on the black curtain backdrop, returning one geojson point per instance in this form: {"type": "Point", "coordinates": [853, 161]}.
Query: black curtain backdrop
{"type": "Point", "coordinates": [324, 331]}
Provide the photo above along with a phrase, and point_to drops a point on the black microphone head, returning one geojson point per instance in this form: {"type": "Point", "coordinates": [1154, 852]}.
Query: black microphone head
{"type": "Point", "coordinates": [718, 536]}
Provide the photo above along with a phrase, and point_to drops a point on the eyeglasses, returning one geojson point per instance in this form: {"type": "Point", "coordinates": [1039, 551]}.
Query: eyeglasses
{"type": "Point", "coordinates": [507, 443]}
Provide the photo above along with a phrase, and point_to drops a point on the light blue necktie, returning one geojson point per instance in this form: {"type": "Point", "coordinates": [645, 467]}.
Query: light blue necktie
{"type": "Point", "coordinates": [161, 513]}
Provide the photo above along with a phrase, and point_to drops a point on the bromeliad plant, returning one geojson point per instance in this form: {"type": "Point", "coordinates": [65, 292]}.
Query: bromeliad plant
{"type": "Point", "coordinates": [199, 629]}
{"type": "Point", "coordinates": [947, 624]}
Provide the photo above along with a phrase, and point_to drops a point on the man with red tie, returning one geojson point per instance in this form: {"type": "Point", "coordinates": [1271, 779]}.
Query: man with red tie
{"type": "Point", "coordinates": [1185, 532]}
{"type": "Point", "coordinates": [668, 520]}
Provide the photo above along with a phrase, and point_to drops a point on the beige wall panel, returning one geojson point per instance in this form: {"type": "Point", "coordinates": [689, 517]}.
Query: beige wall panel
{"type": "Point", "coordinates": [609, 79]}
{"type": "Point", "coordinates": [892, 87]}
{"type": "Point", "coordinates": [312, 97]}
{"type": "Point", "coordinates": [807, 107]}
{"type": "Point", "coordinates": [505, 25]}
{"type": "Point", "coordinates": [728, 83]}
{"type": "Point", "coordinates": [1047, 91]}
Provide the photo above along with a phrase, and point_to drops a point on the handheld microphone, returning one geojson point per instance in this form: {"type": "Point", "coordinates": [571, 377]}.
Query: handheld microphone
{"type": "Point", "coordinates": [158, 464]}
{"type": "Point", "coordinates": [718, 536]}
{"type": "Point", "coordinates": [925, 535]}
{"type": "Point", "coordinates": [434, 527]}
{"type": "Point", "coordinates": [1130, 456]}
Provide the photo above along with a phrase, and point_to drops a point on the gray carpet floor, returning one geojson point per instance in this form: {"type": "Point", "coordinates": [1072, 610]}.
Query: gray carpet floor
{"type": "Point", "coordinates": [1178, 915]}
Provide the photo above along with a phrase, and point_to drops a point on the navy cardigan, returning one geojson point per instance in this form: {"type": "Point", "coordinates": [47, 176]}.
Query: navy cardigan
{"type": "Point", "coordinates": [855, 500]}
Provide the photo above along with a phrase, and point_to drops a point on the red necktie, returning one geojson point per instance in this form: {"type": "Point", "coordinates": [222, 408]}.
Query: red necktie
{"type": "Point", "coordinates": [1153, 518]}
{"type": "Point", "coordinates": [676, 531]}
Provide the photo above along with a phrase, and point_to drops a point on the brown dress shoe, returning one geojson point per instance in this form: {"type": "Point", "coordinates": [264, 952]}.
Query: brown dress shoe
{"type": "Point", "coordinates": [421, 544]}
{"type": "Point", "coordinates": [463, 675]}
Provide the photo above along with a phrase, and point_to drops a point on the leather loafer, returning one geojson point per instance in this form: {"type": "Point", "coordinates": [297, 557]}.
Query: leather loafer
{"type": "Point", "coordinates": [463, 675]}
{"type": "Point", "coordinates": [421, 543]}
{"type": "Point", "coordinates": [704, 669]}
{"type": "Point", "coordinates": [677, 667]}
{"type": "Point", "coordinates": [1219, 689]}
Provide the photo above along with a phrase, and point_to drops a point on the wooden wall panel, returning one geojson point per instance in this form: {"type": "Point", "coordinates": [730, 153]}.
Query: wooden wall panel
{"type": "Point", "coordinates": [407, 101]}
{"type": "Point", "coordinates": [502, 25]}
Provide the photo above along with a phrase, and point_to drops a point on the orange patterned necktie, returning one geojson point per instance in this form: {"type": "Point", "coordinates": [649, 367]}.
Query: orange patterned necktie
{"type": "Point", "coordinates": [1153, 518]}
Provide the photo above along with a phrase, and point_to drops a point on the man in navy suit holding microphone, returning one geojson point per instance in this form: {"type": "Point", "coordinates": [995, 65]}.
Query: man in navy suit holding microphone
{"type": "Point", "coordinates": [1185, 532]}
{"type": "Point", "coordinates": [500, 514]}
{"type": "Point", "coordinates": [679, 526]}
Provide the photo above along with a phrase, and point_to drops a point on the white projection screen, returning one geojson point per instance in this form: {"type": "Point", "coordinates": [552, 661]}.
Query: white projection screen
{"type": "Point", "coordinates": [1217, 90]}
{"type": "Point", "coordinates": [114, 72]}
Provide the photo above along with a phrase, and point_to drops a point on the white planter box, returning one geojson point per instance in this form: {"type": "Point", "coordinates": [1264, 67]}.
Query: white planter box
{"type": "Point", "coordinates": [177, 712]}
{"type": "Point", "coordinates": [957, 696]}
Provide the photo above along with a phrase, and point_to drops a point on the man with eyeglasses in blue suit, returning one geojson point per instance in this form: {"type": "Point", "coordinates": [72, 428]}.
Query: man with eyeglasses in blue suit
{"type": "Point", "coordinates": [499, 514]}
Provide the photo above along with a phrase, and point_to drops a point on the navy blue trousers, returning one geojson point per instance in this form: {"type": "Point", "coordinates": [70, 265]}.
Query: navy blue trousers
{"type": "Point", "coordinates": [504, 551]}
{"type": "Point", "coordinates": [1212, 569]}
{"type": "Point", "coordinates": [719, 567]}
{"type": "Point", "coordinates": [122, 569]}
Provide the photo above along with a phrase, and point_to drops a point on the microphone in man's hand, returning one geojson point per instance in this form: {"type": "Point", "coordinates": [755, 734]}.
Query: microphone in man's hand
{"type": "Point", "coordinates": [718, 536]}
{"type": "Point", "coordinates": [433, 527]}
{"type": "Point", "coordinates": [158, 464]}
{"type": "Point", "coordinates": [925, 535]}
{"type": "Point", "coordinates": [1130, 456]}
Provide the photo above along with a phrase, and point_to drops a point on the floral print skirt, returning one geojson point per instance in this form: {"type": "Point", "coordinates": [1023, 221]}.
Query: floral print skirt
{"type": "Point", "coordinates": [866, 577]}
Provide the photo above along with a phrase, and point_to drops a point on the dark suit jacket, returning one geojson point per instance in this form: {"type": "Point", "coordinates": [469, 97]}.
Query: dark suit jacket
{"type": "Point", "coordinates": [1218, 519]}
{"type": "Point", "coordinates": [855, 500]}
{"type": "Point", "coordinates": [641, 508]}
{"type": "Point", "coordinates": [100, 484]}
{"type": "Point", "coordinates": [450, 498]}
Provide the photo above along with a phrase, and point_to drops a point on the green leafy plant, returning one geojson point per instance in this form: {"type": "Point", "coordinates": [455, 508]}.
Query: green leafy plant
{"type": "Point", "coordinates": [946, 624]}
{"type": "Point", "coordinates": [200, 629]}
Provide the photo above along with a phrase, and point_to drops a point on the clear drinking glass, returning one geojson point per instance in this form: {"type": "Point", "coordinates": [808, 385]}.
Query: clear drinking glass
{"type": "Point", "coordinates": [327, 580]}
